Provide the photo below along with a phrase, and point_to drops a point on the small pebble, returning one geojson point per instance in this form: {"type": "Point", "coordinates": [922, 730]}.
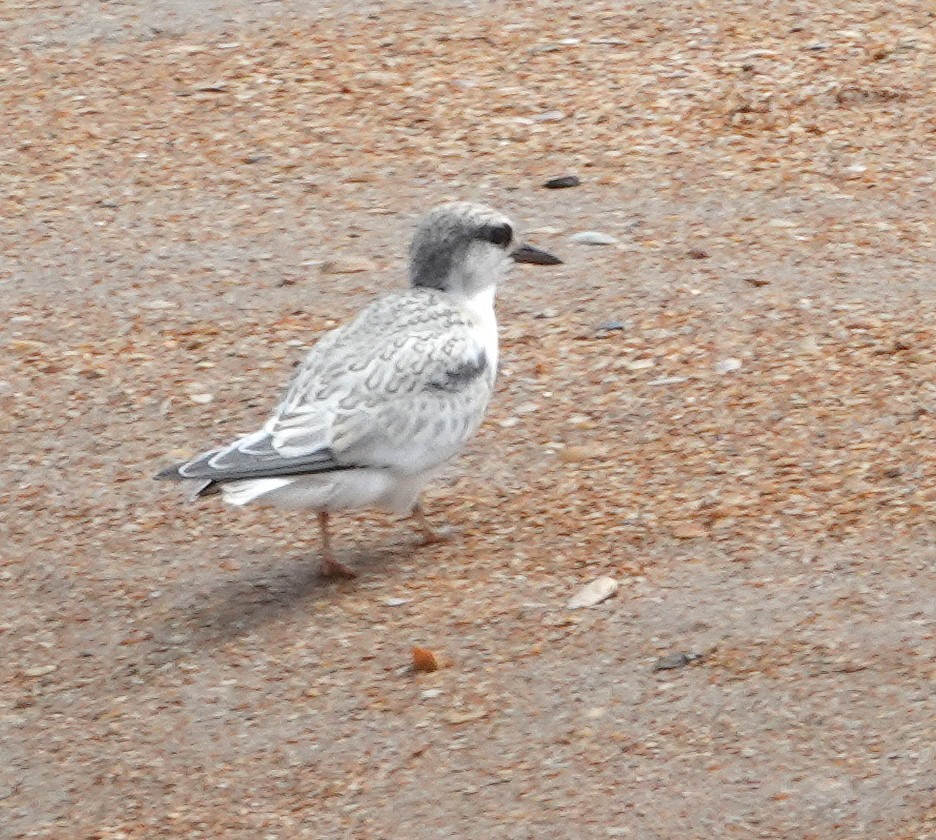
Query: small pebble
{"type": "Point", "coordinates": [549, 116]}
{"type": "Point", "coordinates": [425, 660]}
{"type": "Point", "coordinates": [40, 670]}
{"type": "Point", "coordinates": [593, 237]}
{"type": "Point", "coordinates": [675, 660]}
{"type": "Point", "coordinates": [348, 265]}
{"type": "Point", "coordinates": [201, 399]}
{"type": "Point", "coordinates": [727, 365]}
{"type": "Point", "coordinates": [689, 531]}
{"type": "Point", "coordinates": [611, 326]}
{"type": "Point", "coordinates": [575, 454]}
{"type": "Point", "coordinates": [562, 182]}
{"type": "Point", "coordinates": [458, 717]}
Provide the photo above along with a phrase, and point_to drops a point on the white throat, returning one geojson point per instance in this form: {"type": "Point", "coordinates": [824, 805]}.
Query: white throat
{"type": "Point", "coordinates": [482, 266]}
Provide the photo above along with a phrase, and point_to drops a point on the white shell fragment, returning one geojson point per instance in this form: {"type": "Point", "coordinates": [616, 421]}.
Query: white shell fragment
{"type": "Point", "coordinates": [727, 365]}
{"type": "Point", "coordinates": [593, 237]}
{"type": "Point", "coordinates": [348, 265]}
{"type": "Point", "coordinates": [597, 591]}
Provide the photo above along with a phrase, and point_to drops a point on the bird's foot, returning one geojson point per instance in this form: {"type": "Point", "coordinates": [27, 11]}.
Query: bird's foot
{"type": "Point", "coordinates": [333, 568]}
{"type": "Point", "coordinates": [431, 536]}
{"type": "Point", "coordinates": [427, 534]}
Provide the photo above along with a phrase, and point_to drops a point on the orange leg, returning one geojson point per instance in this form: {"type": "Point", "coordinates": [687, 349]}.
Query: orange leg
{"type": "Point", "coordinates": [429, 534]}
{"type": "Point", "coordinates": [330, 566]}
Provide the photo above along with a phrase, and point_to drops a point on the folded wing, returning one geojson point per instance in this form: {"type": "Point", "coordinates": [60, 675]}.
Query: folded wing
{"type": "Point", "coordinates": [402, 387]}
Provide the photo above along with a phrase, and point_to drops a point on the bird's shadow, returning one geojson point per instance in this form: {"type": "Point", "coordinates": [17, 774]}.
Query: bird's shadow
{"type": "Point", "coordinates": [264, 591]}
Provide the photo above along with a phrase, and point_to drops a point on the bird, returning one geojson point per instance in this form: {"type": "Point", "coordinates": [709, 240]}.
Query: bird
{"type": "Point", "coordinates": [384, 401]}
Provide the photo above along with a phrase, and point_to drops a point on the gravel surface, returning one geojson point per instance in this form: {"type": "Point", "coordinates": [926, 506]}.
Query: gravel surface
{"type": "Point", "coordinates": [729, 411]}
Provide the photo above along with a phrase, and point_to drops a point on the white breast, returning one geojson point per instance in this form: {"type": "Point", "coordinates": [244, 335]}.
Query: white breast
{"type": "Point", "coordinates": [481, 309]}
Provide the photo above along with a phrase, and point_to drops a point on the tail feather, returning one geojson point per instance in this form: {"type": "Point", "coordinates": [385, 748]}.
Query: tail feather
{"type": "Point", "coordinates": [242, 492]}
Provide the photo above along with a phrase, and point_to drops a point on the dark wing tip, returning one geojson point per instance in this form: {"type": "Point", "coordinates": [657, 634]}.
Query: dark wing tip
{"type": "Point", "coordinates": [247, 465]}
{"type": "Point", "coordinates": [169, 474]}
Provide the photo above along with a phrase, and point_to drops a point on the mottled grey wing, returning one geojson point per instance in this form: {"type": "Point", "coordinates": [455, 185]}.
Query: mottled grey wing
{"type": "Point", "coordinates": [404, 385]}
{"type": "Point", "coordinates": [254, 455]}
{"type": "Point", "coordinates": [408, 401]}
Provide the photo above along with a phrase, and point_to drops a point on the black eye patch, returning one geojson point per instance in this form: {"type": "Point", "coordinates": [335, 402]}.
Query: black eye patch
{"type": "Point", "coordinates": [498, 234]}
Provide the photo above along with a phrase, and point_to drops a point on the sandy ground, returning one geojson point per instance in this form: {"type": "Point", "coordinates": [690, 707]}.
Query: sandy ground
{"type": "Point", "coordinates": [731, 412]}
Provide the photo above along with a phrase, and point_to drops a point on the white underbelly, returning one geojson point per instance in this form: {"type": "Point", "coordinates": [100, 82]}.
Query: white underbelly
{"type": "Point", "coordinates": [345, 490]}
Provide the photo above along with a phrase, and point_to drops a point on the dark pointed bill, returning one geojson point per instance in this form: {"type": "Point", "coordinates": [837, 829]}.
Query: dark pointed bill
{"type": "Point", "coordinates": [536, 256]}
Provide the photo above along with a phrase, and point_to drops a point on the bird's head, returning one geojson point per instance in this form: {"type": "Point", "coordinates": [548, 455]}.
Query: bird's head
{"type": "Point", "coordinates": [465, 248]}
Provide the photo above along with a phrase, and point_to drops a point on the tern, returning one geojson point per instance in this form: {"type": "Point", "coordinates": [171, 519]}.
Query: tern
{"type": "Point", "coordinates": [381, 403]}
